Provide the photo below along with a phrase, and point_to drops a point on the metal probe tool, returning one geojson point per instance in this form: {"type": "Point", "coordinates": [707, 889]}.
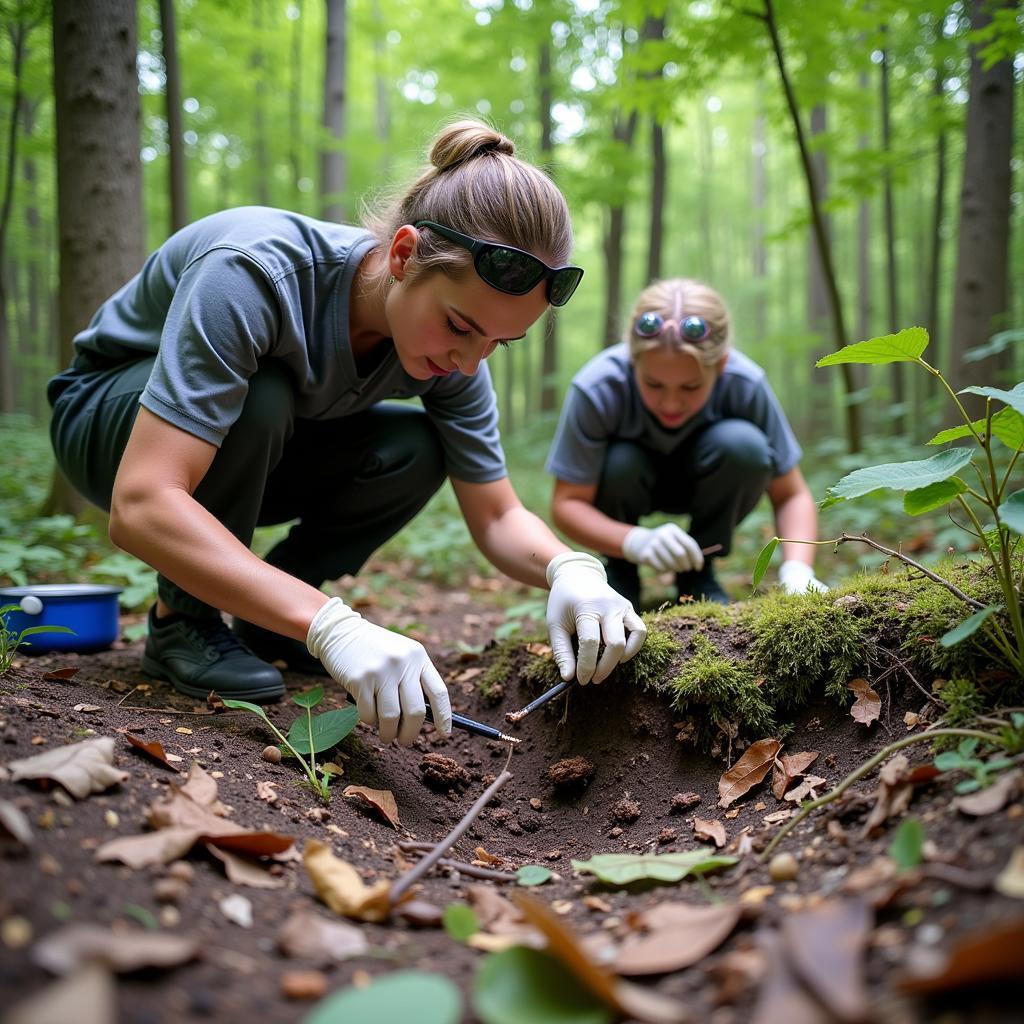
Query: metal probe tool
{"type": "Point", "coordinates": [476, 728]}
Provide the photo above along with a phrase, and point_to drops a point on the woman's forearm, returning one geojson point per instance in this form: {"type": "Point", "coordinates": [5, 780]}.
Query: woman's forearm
{"type": "Point", "coordinates": [588, 526]}
{"type": "Point", "coordinates": [520, 544]}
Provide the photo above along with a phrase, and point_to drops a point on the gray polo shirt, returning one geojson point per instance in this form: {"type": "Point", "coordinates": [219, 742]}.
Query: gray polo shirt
{"type": "Point", "coordinates": [603, 404]}
{"type": "Point", "coordinates": [257, 283]}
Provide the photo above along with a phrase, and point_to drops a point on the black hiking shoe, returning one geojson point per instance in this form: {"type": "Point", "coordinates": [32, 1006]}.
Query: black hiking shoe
{"type": "Point", "coordinates": [273, 647]}
{"type": "Point", "coordinates": [200, 655]}
{"type": "Point", "coordinates": [702, 585]}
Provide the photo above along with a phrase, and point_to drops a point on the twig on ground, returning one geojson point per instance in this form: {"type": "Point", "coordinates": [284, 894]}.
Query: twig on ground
{"type": "Point", "coordinates": [474, 870]}
{"type": "Point", "coordinates": [863, 770]}
{"type": "Point", "coordinates": [418, 870]}
{"type": "Point", "coordinates": [126, 696]}
{"type": "Point", "coordinates": [901, 664]}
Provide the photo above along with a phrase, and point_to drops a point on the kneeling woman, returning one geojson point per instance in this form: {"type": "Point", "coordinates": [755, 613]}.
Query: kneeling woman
{"type": "Point", "coordinates": [237, 380]}
{"type": "Point", "coordinates": [674, 420]}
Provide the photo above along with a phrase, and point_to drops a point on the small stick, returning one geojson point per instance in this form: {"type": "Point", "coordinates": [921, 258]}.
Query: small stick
{"type": "Point", "coordinates": [418, 870]}
{"type": "Point", "coordinates": [473, 871]}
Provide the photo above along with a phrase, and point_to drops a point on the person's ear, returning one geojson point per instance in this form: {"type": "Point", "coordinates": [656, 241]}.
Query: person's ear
{"type": "Point", "coordinates": [403, 245]}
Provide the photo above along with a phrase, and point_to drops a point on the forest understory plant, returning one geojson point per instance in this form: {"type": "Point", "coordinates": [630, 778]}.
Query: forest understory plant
{"type": "Point", "coordinates": [994, 517]}
{"type": "Point", "coordinates": [309, 735]}
{"type": "Point", "coordinates": [11, 641]}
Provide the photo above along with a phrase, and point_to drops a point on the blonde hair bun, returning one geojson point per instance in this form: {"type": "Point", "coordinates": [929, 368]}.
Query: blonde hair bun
{"type": "Point", "coordinates": [466, 139]}
{"type": "Point", "coordinates": [674, 299]}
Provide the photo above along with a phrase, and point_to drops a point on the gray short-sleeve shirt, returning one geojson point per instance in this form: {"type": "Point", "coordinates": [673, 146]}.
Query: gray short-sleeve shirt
{"type": "Point", "coordinates": [603, 404]}
{"type": "Point", "coordinates": [257, 283]}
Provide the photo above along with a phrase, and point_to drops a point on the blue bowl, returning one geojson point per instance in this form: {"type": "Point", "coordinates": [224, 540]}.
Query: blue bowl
{"type": "Point", "coordinates": [87, 608]}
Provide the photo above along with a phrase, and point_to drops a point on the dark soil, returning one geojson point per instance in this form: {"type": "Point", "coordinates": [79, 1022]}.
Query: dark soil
{"type": "Point", "coordinates": [606, 774]}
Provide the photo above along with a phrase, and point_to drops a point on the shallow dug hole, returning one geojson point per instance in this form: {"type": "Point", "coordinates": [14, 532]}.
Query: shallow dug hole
{"type": "Point", "coordinates": [605, 774]}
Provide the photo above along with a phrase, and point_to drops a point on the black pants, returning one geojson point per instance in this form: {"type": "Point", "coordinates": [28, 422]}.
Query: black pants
{"type": "Point", "coordinates": [351, 483]}
{"type": "Point", "coordinates": [717, 476]}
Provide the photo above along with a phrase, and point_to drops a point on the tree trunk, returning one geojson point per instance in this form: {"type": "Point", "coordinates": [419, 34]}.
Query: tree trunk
{"type": "Point", "coordinates": [175, 126]}
{"type": "Point", "coordinates": [332, 156]}
{"type": "Point", "coordinates": [818, 310]}
{"type": "Point", "coordinates": [549, 351]}
{"type": "Point", "coordinates": [931, 314]}
{"type": "Point", "coordinates": [759, 255]}
{"type": "Point", "coordinates": [295, 103]}
{"type": "Point", "coordinates": [820, 232]}
{"type": "Point", "coordinates": [623, 132]}
{"type": "Point", "coordinates": [259, 113]}
{"type": "Point", "coordinates": [382, 105]}
{"type": "Point", "coordinates": [864, 288]}
{"type": "Point", "coordinates": [99, 177]}
{"type": "Point", "coordinates": [654, 29]}
{"type": "Point", "coordinates": [980, 290]}
{"type": "Point", "coordinates": [705, 170]}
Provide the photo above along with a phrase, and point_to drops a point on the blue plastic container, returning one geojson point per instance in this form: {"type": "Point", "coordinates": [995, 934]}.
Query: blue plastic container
{"type": "Point", "coordinates": [87, 608]}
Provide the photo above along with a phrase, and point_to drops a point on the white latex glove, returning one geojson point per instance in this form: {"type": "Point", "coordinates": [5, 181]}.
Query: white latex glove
{"type": "Point", "coordinates": [798, 578]}
{"type": "Point", "coordinates": [663, 548]}
{"type": "Point", "coordinates": [581, 602]}
{"type": "Point", "coordinates": [386, 673]}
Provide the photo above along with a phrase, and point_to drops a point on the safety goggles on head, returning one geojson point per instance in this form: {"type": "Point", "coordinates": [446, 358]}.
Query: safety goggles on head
{"type": "Point", "coordinates": [512, 270]}
{"type": "Point", "coordinates": [693, 329]}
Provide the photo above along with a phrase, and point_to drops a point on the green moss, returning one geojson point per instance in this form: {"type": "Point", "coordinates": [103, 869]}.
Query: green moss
{"type": "Point", "coordinates": [656, 655]}
{"type": "Point", "coordinates": [491, 684]}
{"type": "Point", "coordinates": [715, 693]}
{"type": "Point", "coordinates": [964, 702]}
{"type": "Point", "coordinates": [802, 644]}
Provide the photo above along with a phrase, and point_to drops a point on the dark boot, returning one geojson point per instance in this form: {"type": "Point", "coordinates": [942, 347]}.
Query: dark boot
{"type": "Point", "coordinates": [198, 655]}
{"type": "Point", "coordinates": [702, 585]}
{"type": "Point", "coordinates": [273, 647]}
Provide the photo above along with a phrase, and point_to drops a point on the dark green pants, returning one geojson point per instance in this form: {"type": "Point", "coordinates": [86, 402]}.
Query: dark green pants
{"type": "Point", "coordinates": [350, 483]}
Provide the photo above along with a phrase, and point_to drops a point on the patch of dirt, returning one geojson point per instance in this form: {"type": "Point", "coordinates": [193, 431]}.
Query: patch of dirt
{"type": "Point", "coordinates": [614, 738]}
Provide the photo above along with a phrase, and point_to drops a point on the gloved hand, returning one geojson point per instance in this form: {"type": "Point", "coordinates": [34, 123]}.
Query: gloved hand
{"type": "Point", "coordinates": [386, 673]}
{"type": "Point", "coordinates": [581, 602]}
{"type": "Point", "coordinates": [798, 578]}
{"type": "Point", "coordinates": [663, 548]}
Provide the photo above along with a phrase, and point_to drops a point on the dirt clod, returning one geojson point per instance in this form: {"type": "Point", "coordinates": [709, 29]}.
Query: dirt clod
{"type": "Point", "coordinates": [626, 810]}
{"type": "Point", "coordinates": [682, 802]}
{"type": "Point", "coordinates": [303, 984]}
{"type": "Point", "coordinates": [443, 772]}
{"type": "Point", "coordinates": [667, 835]}
{"type": "Point", "coordinates": [570, 773]}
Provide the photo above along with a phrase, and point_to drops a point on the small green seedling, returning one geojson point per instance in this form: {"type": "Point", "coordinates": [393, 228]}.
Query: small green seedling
{"type": "Point", "coordinates": [963, 759]}
{"type": "Point", "coordinates": [11, 641]}
{"type": "Point", "coordinates": [309, 734]}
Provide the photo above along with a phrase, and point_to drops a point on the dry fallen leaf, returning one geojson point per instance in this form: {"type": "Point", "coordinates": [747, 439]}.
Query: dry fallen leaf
{"type": "Point", "coordinates": [243, 871]}
{"type": "Point", "coordinates": [896, 781]}
{"type": "Point", "coordinates": [14, 822]}
{"type": "Point", "coordinates": [338, 884]}
{"type": "Point", "coordinates": [309, 936]}
{"type": "Point", "coordinates": [61, 673]}
{"type": "Point", "coordinates": [71, 947]}
{"type": "Point", "coordinates": [713, 830]}
{"type": "Point", "coordinates": [674, 936]}
{"type": "Point", "coordinates": [1010, 881]}
{"type": "Point", "coordinates": [788, 768]}
{"type": "Point", "coordinates": [501, 923]}
{"type": "Point", "coordinates": [807, 789]}
{"type": "Point", "coordinates": [87, 708]}
{"type": "Point", "coordinates": [81, 768]}
{"type": "Point", "coordinates": [267, 791]}
{"type": "Point", "coordinates": [992, 799]}
{"type": "Point", "coordinates": [868, 705]}
{"type": "Point", "coordinates": [488, 859]}
{"type": "Point", "coordinates": [154, 749]}
{"type": "Point", "coordinates": [781, 997]}
{"type": "Point", "coordinates": [381, 800]}
{"type": "Point", "coordinates": [748, 771]}
{"type": "Point", "coordinates": [89, 996]}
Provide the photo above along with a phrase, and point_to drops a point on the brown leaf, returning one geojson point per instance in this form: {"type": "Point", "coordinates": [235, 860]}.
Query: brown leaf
{"type": "Point", "coordinates": [896, 781]}
{"type": "Point", "coordinates": [1010, 881]}
{"type": "Point", "coordinates": [488, 860]}
{"type": "Point", "coordinates": [14, 822]}
{"type": "Point", "coordinates": [89, 996]}
{"type": "Point", "coordinates": [748, 771]}
{"type": "Point", "coordinates": [74, 945]}
{"type": "Point", "coordinates": [155, 750]}
{"type": "Point", "coordinates": [160, 847]}
{"type": "Point", "coordinates": [243, 871]}
{"type": "Point", "coordinates": [713, 830]}
{"type": "Point", "coordinates": [201, 788]}
{"type": "Point", "coordinates": [675, 935]}
{"type": "Point", "coordinates": [61, 673]}
{"type": "Point", "coordinates": [381, 800]}
{"type": "Point", "coordinates": [868, 705]}
{"type": "Point", "coordinates": [214, 703]}
{"type": "Point", "coordinates": [992, 799]}
{"type": "Point", "coordinates": [267, 791]}
{"type": "Point", "coordinates": [338, 884]}
{"type": "Point", "coordinates": [826, 948]}
{"type": "Point", "coordinates": [788, 768]}
{"type": "Point", "coordinates": [81, 768]}
{"type": "Point", "coordinates": [981, 957]}
{"type": "Point", "coordinates": [807, 788]}
{"type": "Point", "coordinates": [312, 937]}
{"type": "Point", "coordinates": [782, 998]}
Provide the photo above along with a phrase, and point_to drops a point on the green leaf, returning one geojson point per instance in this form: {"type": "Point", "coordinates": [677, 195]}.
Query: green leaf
{"type": "Point", "coordinates": [396, 998]}
{"type": "Point", "coordinates": [899, 476]}
{"type": "Point", "coordinates": [329, 729]}
{"type": "Point", "coordinates": [1011, 512]}
{"type": "Point", "coordinates": [968, 746]}
{"type": "Point", "coordinates": [1014, 398]}
{"type": "Point", "coordinates": [623, 868]}
{"type": "Point", "coordinates": [948, 761]}
{"type": "Point", "coordinates": [309, 698]}
{"type": "Point", "coordinates": [526, 986]}
{"type": "Point", "coordinates": [32, 630]}
{"type": "Point", "coordinates": [533, 874]}
{"type": "Point", "coordinates": [460, 921]}
{"type": "Point", "coordinates": [1007, 425]}
{"type": "Point", "coordinates": [907, 844]}
{"type": "Point", "coordinates": [763, 560]}
{"type": "Point", "coordinates": [968, 626]}
{"type": "Point", "coordinates": [965, 786]}
{"type": "Point", "coordinates": [996, 344]}
{"type": "Point", "coordinates": [904, 347]}
{"type": "Point", "coordinates": [925, 499]}
{"type": "Point", "coordinates": [244, 705]}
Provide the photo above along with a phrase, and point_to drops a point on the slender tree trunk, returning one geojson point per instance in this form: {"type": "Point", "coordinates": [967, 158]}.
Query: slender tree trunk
{"type": "Point", "coordinates": [864, 289]}
{"type": "Point", "coordinates": [931, 315]}
{"type": "Point", "coordinates": [899, 420]}
{"type": "Point", "coordinates": [705, 166]}
{"type": "Point", "coordinates": [818, 309]}
{"type": "Point", "coordinates": [99, 177]}
{"type": "Point", "coordinates": [259, 111]}
{"type": "Point", "coordinates": [759, 254]}
{"type": "Point", "coordinates": [175, 126]}
{"type": "Point", "coordinates": [838, 323]}
{"type": "Point", "coordinates": [654, 31]}
{"type": "Point", "coordinates": [382, 105]}
{"type": "Point", "coordinates": [549, 351]}
{"type": "Point", "coordinates": [332, 156]}
{"type": "Point", "coordinates": [623, 130]}
{"type": "Point", "coordinates": [295, 103]}
{"type": "Point", "coordinates": [980, 300]}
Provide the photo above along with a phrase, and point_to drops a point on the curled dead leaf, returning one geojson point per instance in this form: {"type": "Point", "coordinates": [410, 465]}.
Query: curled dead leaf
{"type": "Point", "coordinates": [338, 884]}
{"type": "Point", "coordinates": [154, 750]}
{"type": "Point", "coordinates": [788, 768]}
{"type": "Point", "coordinates": [75, 945]}
{"type": "Point", "coordinates": [748, 771]}
{"type": "Point", "coordinates": [675, 935]}
{"type": "Point", "coordinates": [713, 830]}
{"type": "Point", "coordinates": [993, 798]}
{"type": "Point", "coordinates": [868, 705]}
{"type": "Point", "coordinates": [380, 800]}
{"type": "Point", "coordinates": [81, 768]}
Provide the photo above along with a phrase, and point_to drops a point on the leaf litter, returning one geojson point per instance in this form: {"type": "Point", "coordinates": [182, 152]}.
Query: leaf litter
{"type": "Point", "coordinates": [81, 768]}
{"type": "Point", "coordinates": [750, 770]}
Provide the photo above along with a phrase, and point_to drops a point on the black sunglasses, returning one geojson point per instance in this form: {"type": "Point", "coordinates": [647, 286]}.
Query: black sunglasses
{"type": "Point", "coordinates": [512, 270]}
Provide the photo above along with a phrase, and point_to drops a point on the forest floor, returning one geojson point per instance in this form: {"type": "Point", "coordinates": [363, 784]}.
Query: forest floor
{"type": "Point", "coordinates": [849, 937]}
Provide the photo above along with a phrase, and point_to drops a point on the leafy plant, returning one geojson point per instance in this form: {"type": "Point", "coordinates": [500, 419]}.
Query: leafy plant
{"type": "Point", "coordinates": [624, 868]}
{"type": "Point", "coordinates": [460, 921]}
{"type": "Point", "coordinates": [533, 874]}
{"type": "Point", "coordinates": [398, 997]}
{"type": "Point", "coordinates": [309, 734]}
{"type": "Point", "coordinates": [995, 518]}
{"type": "Point", "coordinates": [11, 641]}
{"type": "Point", "coordinates": [907, 845]}
{"type": "Point", "coordinates": [963, 759]}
